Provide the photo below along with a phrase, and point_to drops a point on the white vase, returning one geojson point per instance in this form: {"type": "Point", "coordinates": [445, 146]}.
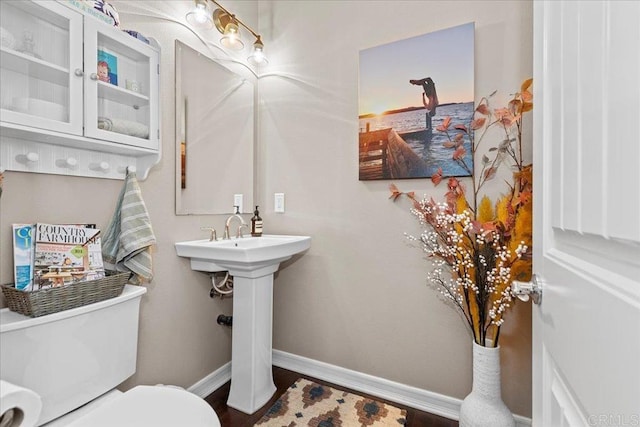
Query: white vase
{"type": "Point", "coordinates": [484, 405]}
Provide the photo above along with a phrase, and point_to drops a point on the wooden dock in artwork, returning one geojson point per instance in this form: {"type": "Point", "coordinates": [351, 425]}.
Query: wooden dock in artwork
{"type": "Point", "coordinates": [385, 155]}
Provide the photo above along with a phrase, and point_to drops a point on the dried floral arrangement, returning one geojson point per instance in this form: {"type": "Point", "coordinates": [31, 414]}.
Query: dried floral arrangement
{"type": "Point", "coordinates": [479, 247]}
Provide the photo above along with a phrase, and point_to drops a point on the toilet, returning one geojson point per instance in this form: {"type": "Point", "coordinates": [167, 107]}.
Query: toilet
{"type": "Point", "coordinates": [74, 359]}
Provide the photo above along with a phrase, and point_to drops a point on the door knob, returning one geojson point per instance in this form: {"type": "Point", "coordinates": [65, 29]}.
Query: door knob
{"type": "Point", "coordinates": [526, 290]}
{"type": "Point", "coordinates": [93, 76]}
{"type": "Point", "coordinates": [78, 72]}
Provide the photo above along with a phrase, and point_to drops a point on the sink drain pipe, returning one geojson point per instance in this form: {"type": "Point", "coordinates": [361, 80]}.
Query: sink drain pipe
{"type": "Point", "coordinates": [225, 320]}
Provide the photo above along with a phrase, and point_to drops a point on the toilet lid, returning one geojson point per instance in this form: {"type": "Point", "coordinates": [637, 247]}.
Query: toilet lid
{"type": "Point", "coordinates": [152, 406]}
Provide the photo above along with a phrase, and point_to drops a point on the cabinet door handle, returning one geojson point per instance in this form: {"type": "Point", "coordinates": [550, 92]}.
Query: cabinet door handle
{"type": "Point", "coordinates": [78, 72]}
{"type": "Point", "coordinates": [93, 76]}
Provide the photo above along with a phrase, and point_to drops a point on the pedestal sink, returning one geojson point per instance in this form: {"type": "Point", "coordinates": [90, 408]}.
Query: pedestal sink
{"type": "Point", "coordinates": [251, 261]}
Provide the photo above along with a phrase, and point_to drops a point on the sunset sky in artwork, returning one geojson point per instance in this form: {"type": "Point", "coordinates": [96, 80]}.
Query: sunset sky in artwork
{"type": "Point", "coordinates": [446, 56]}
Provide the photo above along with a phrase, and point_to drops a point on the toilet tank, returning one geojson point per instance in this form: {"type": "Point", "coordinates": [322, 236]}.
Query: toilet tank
{"type": "Point", "coordinates": [71, 357]}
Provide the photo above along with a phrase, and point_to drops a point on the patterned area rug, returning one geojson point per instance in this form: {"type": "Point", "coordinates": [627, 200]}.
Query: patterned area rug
{"type": "Point", "coordinates": [306, 403]}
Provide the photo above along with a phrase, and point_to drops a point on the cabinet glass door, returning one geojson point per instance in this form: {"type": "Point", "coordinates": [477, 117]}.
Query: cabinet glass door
{"type": "Point", "coordinates": [41, 65]}
{"type": "Point", "coordinates": [121, 91]}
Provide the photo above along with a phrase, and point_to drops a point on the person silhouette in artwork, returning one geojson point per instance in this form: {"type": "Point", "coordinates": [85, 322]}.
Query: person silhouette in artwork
{"type": "Point", "coordinates": [430, 102]}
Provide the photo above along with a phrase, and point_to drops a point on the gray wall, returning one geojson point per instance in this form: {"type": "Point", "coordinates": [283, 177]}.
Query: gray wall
{"type": "Point", "coordinates": [358, 298]}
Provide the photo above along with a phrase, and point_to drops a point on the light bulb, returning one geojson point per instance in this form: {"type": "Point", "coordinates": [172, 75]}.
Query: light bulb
{"type": "Point", "coordinates": [258, 57]}
{"type": "Point", "coordinates": [231, 38]}
{"type": "Point", "coordinates": [200, 16]}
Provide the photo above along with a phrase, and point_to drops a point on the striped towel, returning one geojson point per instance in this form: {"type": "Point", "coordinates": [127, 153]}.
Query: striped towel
{"type": "Point", "coordinates": [126, 245]}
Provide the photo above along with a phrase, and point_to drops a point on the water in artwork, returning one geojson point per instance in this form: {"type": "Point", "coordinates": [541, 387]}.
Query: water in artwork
{"type": "Point", "coordinates": [433, 153]}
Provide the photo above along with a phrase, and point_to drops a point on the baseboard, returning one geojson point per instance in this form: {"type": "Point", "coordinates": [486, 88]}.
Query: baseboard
{"type": "Point", "coordinates": [412, 397]}
{"type": "Point", "coordinates": [212, 382]}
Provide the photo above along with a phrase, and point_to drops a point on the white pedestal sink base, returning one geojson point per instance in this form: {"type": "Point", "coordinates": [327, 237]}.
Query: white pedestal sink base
{"type": "Point", "coordinates": [251, 372]}
{"type": "Point", "coordinates": [251, 261]}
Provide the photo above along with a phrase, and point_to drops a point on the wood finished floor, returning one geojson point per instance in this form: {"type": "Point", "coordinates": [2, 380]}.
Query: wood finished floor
{"type": "Point", "coordinates": [283, 378]}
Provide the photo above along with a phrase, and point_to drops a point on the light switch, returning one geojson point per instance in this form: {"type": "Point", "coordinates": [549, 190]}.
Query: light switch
{"type": "Point", "coordinates": [278, 203]}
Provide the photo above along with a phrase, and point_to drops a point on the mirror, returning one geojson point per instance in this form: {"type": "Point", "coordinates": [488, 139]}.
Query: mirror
{"type": "Point", "coordinates": [214, 135]}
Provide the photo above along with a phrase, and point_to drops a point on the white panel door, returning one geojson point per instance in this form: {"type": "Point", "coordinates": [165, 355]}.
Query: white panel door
{"type": "Point", "coordinates": [586, 332]}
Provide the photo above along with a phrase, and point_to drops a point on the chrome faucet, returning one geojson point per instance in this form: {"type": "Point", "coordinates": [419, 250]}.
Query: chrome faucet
{"type": "Point", "coordinates": [242, 224]}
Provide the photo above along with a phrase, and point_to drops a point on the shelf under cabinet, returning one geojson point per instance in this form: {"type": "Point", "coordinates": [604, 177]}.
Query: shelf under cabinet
{"type": "Point", "coordinates": [20, 145]}
{"type": "Point", "coordinates": [27, 133]}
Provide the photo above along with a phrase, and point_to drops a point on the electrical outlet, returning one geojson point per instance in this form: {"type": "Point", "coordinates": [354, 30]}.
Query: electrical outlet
{"type": "Point", "coordinates": [278, 202]}
{"type": "Point", "coordinates": [237, 201]}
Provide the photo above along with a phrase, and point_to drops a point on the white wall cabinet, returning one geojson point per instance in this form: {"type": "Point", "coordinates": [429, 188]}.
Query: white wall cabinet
{"type": "Point", "coordinates": [79, 96]}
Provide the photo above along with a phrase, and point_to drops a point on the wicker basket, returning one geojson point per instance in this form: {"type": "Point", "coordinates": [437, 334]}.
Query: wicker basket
{"type": "Point", "coordinates": [52, 300]}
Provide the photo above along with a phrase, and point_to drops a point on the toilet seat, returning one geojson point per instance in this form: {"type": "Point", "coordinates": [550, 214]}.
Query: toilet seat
{"type": "Point", "coordinates": [151, 406]}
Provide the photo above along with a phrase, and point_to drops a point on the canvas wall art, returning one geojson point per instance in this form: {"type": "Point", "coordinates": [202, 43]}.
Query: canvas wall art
{"type": "Point", "coordinates": [407, 89]}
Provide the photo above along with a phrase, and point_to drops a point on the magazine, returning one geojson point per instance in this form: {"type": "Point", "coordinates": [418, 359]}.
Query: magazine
{"type": "Point", "coordinates": [66, 254]}
{"type": "Point", "coordinates": [23, 251]}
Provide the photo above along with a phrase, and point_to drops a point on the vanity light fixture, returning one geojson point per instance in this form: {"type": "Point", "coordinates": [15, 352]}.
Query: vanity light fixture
{"type": "Point", "coordinates": [229, 26]}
